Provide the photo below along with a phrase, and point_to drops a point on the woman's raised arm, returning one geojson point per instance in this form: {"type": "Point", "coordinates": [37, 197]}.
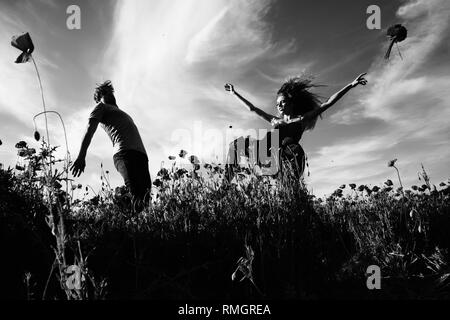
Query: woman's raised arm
{"type": "Point", "coordinates": [268, 117]}
{"type": "Point", "coordinates": [336, 97]}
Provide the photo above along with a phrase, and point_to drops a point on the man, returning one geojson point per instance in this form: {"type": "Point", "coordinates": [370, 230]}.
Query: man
{"type": "Point", "coordinates": [130, 157]}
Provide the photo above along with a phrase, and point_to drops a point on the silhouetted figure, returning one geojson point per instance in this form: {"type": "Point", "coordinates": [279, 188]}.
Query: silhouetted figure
{"type": "Point", "coordinates": [298, 110]}
{"type": "Point", "coordinates": [130, 157]}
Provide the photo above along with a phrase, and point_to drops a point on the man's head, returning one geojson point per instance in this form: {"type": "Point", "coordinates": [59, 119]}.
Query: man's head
{"type": "Point", "coordinates": [105, 92]}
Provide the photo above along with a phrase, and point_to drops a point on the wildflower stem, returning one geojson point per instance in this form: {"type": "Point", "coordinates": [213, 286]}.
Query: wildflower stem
{"type": "Point", "coordinates": [43, 100]}
{"type": "Point", "coordinates": [65, 138]}
{"type": "Point", "coordinates": [400, 180]}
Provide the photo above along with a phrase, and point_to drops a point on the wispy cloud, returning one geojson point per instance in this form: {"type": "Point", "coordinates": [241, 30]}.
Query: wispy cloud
{"type": "Point", "coordinates": [171, 75]}
{"type": "Point", "coordinates": [410, 96]}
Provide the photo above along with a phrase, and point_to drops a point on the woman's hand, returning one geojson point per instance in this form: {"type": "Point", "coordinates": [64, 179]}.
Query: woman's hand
{"type": "Point", "coordinates": [230, 88]}
{"type": "Point", "coordinates": [359, 80]}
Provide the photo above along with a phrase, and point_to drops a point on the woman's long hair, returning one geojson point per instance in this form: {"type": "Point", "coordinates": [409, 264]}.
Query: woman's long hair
{"type": "Point", "coordinates": [296, 91]}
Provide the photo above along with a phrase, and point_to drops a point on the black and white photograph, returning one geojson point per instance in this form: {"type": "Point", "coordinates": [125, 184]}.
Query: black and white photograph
{"type": "Point", "coordinates": [224, 157]}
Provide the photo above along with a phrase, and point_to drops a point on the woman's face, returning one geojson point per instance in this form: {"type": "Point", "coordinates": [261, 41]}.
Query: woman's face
{"type": "Point", "coordinates": [284, 107]}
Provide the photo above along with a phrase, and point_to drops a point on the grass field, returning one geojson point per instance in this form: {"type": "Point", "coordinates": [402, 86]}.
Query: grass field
{"type": "Point", "coordinates": [204, 238]}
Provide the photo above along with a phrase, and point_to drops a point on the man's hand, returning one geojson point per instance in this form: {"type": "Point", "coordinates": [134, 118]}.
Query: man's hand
{"type": "Point", "coordinates": [230, 88]}
{"type": "Point", "coordinates": [359, 80]}
{"type": "Point", "coordinates": [78, 167]}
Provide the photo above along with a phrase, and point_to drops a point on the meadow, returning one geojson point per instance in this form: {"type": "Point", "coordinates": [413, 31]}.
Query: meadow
{"type": "Point", "coordinates": [202, 237]}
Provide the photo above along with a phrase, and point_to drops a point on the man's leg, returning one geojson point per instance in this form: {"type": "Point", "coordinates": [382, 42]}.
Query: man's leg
{"type": "Point", "coordinates": [140, 180]}
{"type": "Point", "coordinates": [134, 169]}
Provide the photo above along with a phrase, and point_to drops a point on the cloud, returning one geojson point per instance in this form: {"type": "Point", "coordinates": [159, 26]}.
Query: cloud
{"type": "Point", "coordinates": [169, 68]}
{"type": "Point", "coordinates": [237, 34]}
{"type": "Point", "coordinates": [409, 96]}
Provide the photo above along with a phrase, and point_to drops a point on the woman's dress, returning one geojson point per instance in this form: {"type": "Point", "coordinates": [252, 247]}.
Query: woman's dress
{"type": "Point", "coordinates": [287, 151]}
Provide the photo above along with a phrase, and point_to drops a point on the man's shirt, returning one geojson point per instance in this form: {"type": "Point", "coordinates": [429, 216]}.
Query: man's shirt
{"type": "Point", "coordinates": [119, 126]}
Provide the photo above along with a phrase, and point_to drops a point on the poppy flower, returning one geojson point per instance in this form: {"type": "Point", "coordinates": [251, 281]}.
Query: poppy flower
{"type": "Point", "coordinates": [21, 144]}
{"type": "Point", "coordinates": [164, 174]}
{"type": "Point", "coordinates": [389, 183]}
{"type": "Point", "coordinates": [157, 183]}
{"type": "Point", "coordinates": [391, 163]}
{"type": "Point", "coordinates": [37, 135]}
{"type": "Point", "coordinates": [207, 166]}
{"type": "Point", "coordinates": [396, 33]}
{"type": "Point", "coordinates": [24, 44]}
{"type": "Point", "coordinates": [171, 158]}
{"type": "Point", "coordinates": [182, 153]}
{"type": "Point", "coordinates": [352, 185]}
{"type": "Point", "coordinates": [179, 173]}
{"type": "Point", "coordinates": [193, 159]}
{"type": "Point", "coordinates": [22, 153]}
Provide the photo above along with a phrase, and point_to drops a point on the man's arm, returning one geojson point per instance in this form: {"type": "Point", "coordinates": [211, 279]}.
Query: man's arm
{"type": "Point", "coordinates": [80, 163]}
{"type": "Point", "coordinates": [249, 105]}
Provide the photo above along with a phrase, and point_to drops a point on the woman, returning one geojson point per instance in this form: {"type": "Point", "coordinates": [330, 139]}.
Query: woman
{"type": "Point", "coordinates": [298, 110]}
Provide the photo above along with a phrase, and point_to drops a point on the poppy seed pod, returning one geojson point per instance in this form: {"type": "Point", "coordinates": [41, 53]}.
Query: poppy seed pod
{"type": "Point", "coordinates": [37, 135]}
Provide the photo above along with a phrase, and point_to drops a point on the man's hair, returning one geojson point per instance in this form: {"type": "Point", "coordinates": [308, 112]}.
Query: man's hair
{"type": "Point", "coordinates": [296, 91]}
{"type": "Point", "coordinates": [105, 90]}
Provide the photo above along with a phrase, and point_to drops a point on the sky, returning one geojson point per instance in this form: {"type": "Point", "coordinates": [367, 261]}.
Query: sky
{"type": "Point", "coordinates": [169, 60]}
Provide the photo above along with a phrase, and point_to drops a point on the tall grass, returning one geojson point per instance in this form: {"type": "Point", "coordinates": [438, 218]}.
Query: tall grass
{"type": "Point", "coordinates": [203, 237]}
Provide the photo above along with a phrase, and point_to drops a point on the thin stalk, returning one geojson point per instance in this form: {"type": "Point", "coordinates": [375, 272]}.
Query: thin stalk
{"type": "Point", "coordinates": [61, 230]}
{"type": "Point", "coordinates": [43, 100]}
{"type": "Point", "coordinates": [65, 138]}
{"type": "Point", "coordinates": [400, 180]}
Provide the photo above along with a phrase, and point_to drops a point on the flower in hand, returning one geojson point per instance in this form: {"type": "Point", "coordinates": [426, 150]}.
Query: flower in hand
{"type": "Point", "coordinates": [230, 88]}
{"type": "Point", "coordinates": [360, 80]}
